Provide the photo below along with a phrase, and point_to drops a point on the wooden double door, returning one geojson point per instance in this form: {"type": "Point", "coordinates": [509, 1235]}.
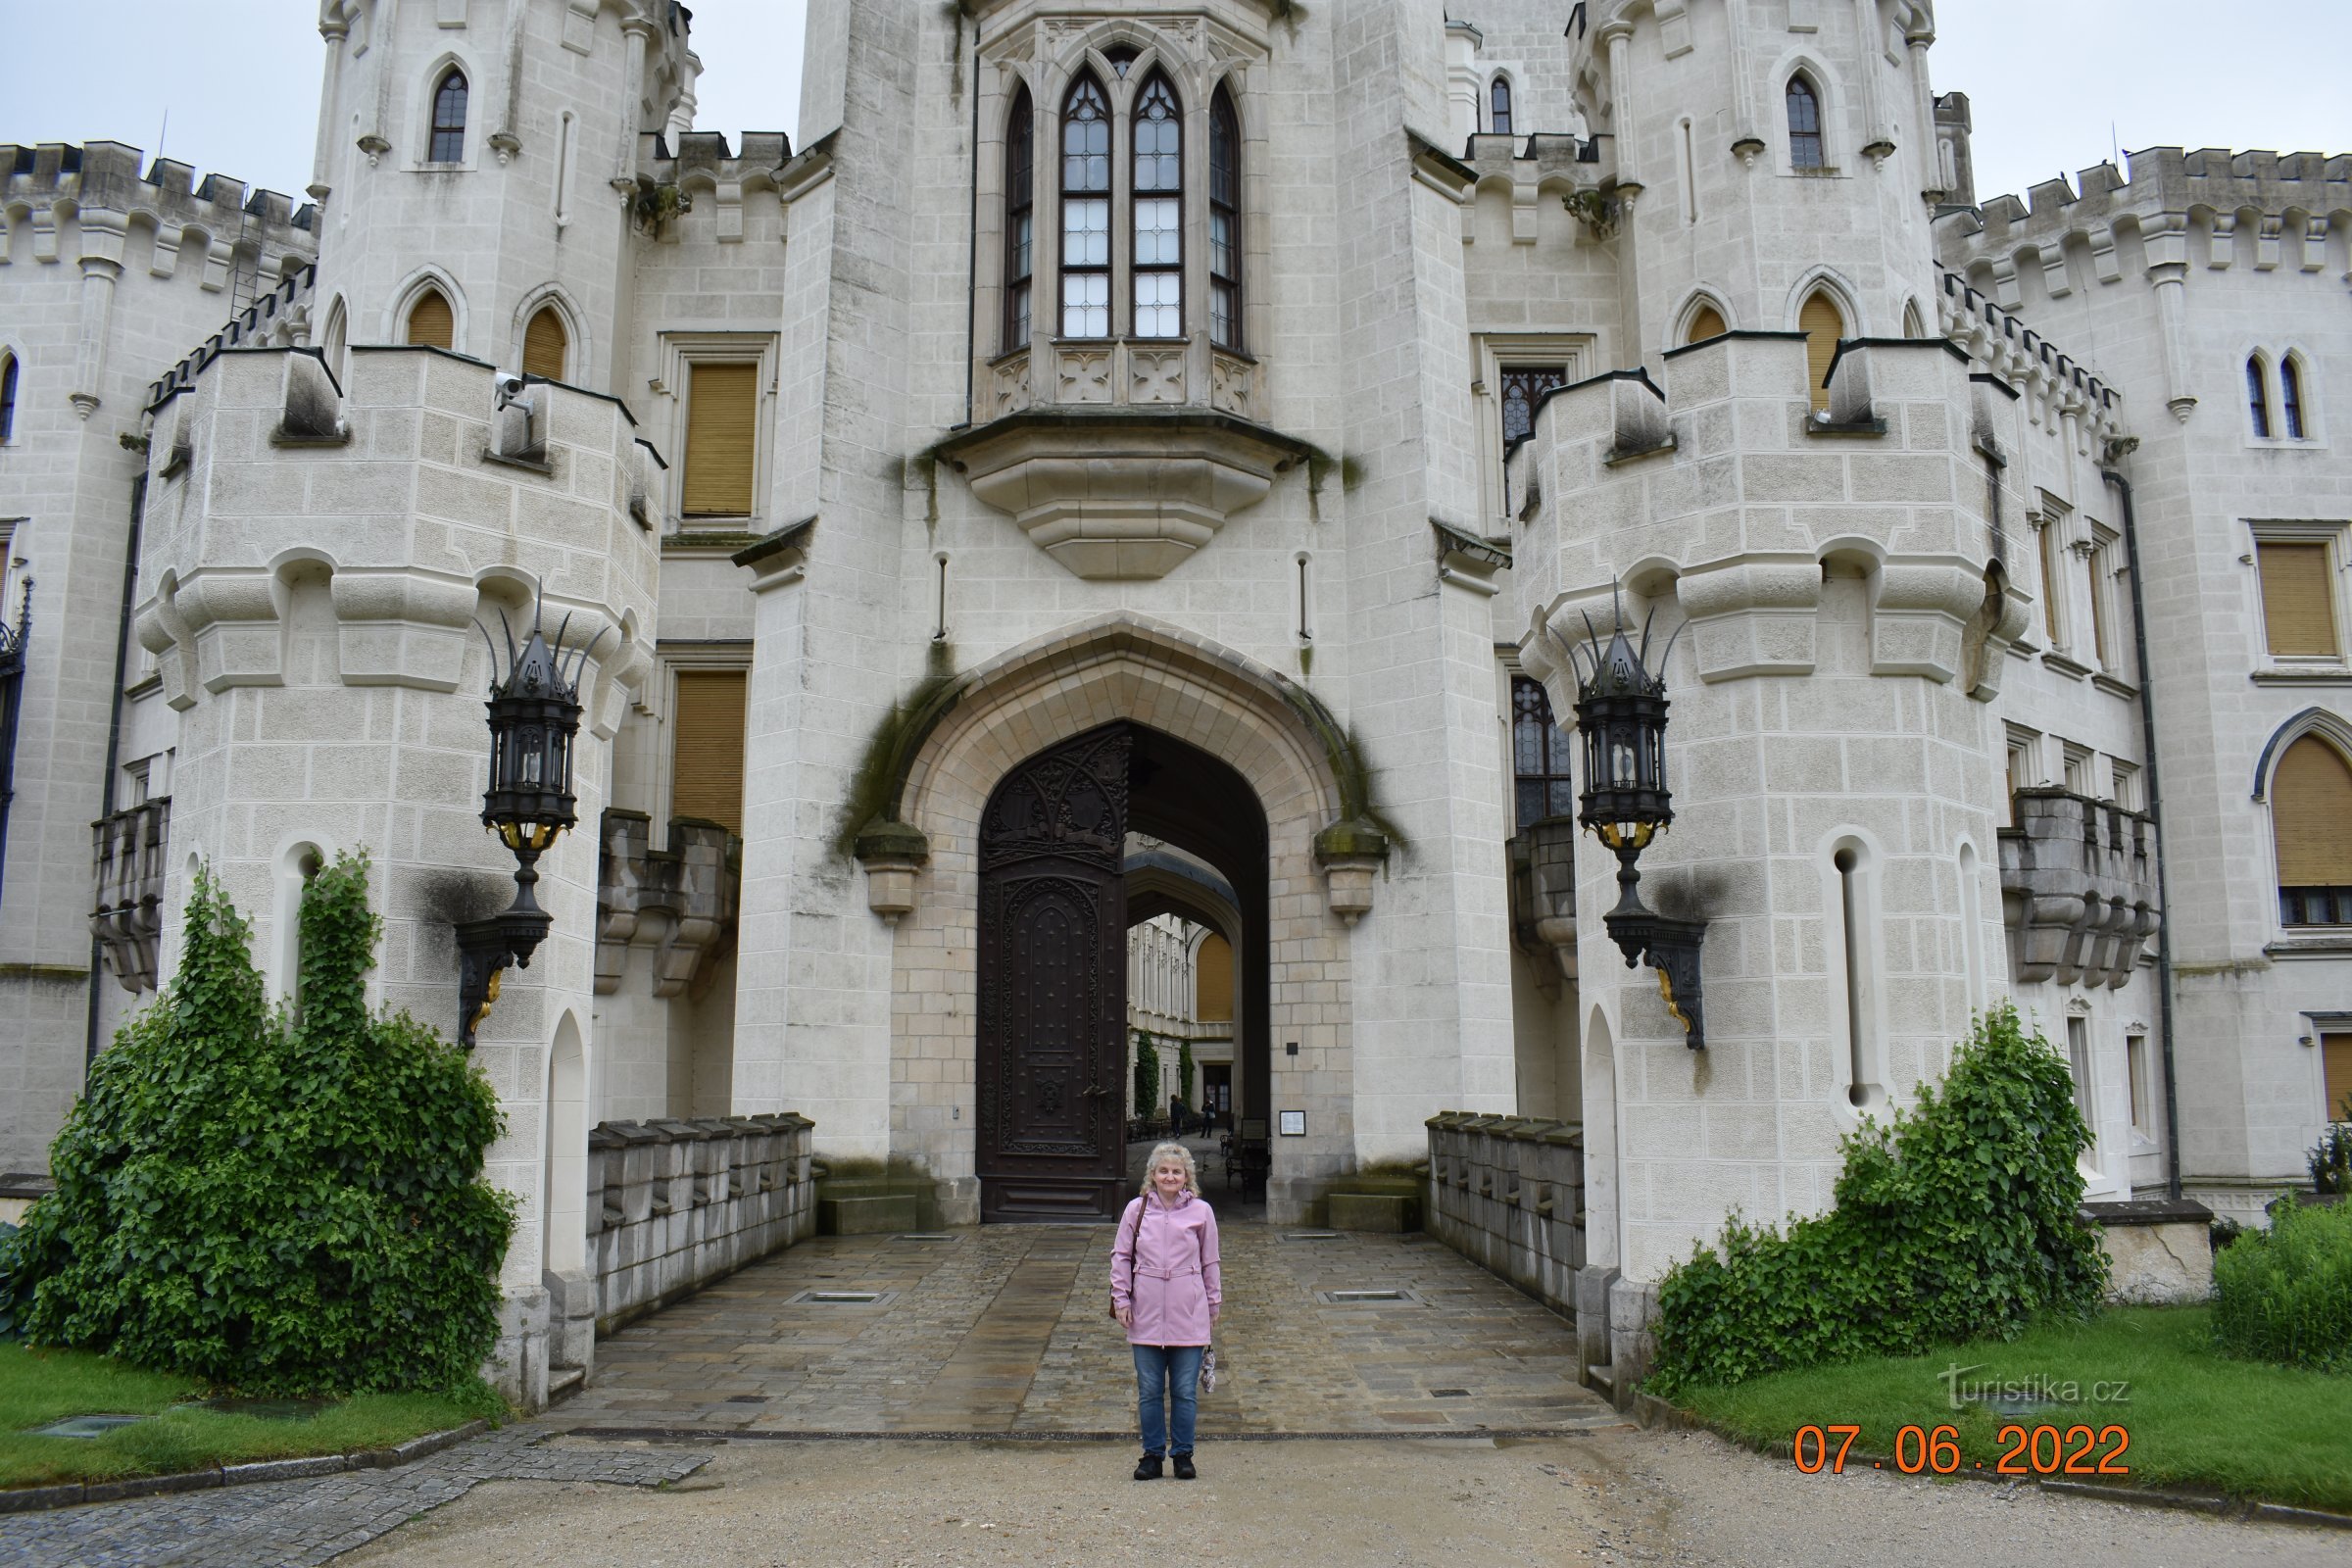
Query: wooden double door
{"type": "Point", "coordinates": [1051, 1050]}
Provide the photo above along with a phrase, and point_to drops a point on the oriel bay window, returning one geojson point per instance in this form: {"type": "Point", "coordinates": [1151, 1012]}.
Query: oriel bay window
{"type": "Point", "coordinates": [1158, 212]}
{"type": "Point", "coordinates": [1086, 211]}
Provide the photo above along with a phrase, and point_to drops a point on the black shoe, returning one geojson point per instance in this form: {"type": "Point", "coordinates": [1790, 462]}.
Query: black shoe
{"type": "Point", "coordinates": [1184, 1467]}
{"type": "Point", "coordinates": [1148, 1467]}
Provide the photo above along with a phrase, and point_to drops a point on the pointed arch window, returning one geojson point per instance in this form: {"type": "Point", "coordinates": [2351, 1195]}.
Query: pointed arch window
{"type": "Point", "coordinates": [546, 345]}
{"type": "Point", "coordinates": [2290, 396]}
{"type": "Point", "coordinates": [2257, 396]}
{"type": "Point", "coordinates": [1086, 211]}
{"type": "Point", "coordinates": [2311, 825]}
{"type": "Point", "coordinates": [7, 399]}
{"type": "Point", "coordinates": [1705, 323]}
{"type": "Point", "coordinates": [1804, 125]}
{"type": "Point", "coordinates": [1158, 133]}
{"type": "Point", "coordinates": [1224, 221]}
{"type": "Point", "coordinates": [1498, 106]}
{"type": "Point", "coordinates": [431, 324]}
{"type": "Point", "coordinates": [1020, 218]}
{"type": "Point", "coordinates": [1823, 327]}
{"type": "Point", "coordinates": [449, 118]}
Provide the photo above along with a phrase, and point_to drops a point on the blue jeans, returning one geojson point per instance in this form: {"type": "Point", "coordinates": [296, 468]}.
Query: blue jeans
{"type": "Point", "coordinates": [1160, 1369]}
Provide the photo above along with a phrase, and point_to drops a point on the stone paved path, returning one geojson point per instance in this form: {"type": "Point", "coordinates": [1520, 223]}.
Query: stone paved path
{"type": "Point", "coordinates": [293, 1523]}
{"type": "Point", "coordinates": [1006, 1329]}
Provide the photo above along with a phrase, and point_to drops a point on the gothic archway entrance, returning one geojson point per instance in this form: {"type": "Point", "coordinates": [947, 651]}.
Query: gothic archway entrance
{"type": "Point", "coordinates": [1051, 1040]}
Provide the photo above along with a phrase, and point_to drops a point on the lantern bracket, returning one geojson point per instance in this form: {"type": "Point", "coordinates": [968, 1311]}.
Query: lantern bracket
{"type": "Point", "coordinates": [1670, 946]}
{"type": "Point", "coordinates": [485, 948]}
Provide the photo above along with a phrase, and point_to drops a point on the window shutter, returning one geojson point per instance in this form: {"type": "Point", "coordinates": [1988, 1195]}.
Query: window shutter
{"type": "Point", "coordinates": [722, 404]}
{"type": "Point", "coordinates": [1823, 327]}
{"type": "Point", "coordinates": [2311, 813]}
{"type": "Point", "coordinates": [706, 732]}
{"type": "Point", "coordinates": [2335, 1053]}
{"type": "Point", "coordinates": [1213, 980]}
{"type": "Point", "coordinates": [1707, 323]}
{"type": "Point", "coordinates": [431, 323]}
{"type": "Point", "coordinates": [2296, 587]}
{"type": "Point", "coordinates": [545, 344]}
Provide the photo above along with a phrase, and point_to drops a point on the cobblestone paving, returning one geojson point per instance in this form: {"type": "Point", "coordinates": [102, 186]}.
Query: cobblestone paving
{"type": "Point", "coordinates": [1006, 1329]}
{"type": "Point", "coordinates": [292, 1524]}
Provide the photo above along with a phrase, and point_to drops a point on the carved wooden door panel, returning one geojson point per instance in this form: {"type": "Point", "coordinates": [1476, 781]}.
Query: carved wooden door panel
{"type": "Point", "coordinates": [1053, 1025]}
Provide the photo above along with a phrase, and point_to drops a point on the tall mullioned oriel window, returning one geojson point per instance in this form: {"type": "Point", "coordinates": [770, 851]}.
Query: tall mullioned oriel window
{"type": "Point", "coordinates": [1086, 211]}
{"type": "Point", "coordinates": [449, 118]}
{"type": "Point", "coordinates": [1804, 125]}
{"type": "Point", "coordinates": [1541, 784]}
{"type": "Point", "coordinates": [1158, 198]}
{"type": "Point", "coordinates": [1224, 222]}
{"type": "Point", "coordinates": [1020, 218]}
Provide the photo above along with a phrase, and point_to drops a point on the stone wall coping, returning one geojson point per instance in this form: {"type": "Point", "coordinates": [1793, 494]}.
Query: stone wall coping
{"type": "Point", "coordinates": [623, 1134]}
{"type": "Point", "coordinates": [2149, 1211]}
{"type": "Point", "coordinates": [74, 1493]}
{"type": "Point", "coordinates": [1518, 1128]}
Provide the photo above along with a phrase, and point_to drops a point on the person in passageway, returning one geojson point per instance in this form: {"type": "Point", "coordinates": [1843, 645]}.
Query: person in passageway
{"type": "Point", "coordinates": [1167, 1292]}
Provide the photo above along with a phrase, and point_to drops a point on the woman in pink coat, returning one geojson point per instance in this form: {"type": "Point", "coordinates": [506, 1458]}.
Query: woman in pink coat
{"type": "Point", "coordinates": [1166, 1293]}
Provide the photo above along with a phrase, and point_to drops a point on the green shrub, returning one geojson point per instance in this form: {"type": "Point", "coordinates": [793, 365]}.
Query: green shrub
{"type": "Point", "coordinates": [1147, 1076]}
{"type": "Point", "coordinates": [2330, 1159]}
{"type": "Point", "coordinates": [2285, 1295]}
{"type": "Point", "coordinates": [278, 1204]}
{"type": "Point", "coordinates": [1957, 1220]}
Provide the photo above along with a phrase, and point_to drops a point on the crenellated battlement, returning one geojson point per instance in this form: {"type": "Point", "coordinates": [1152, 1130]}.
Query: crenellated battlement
{"type": "Point", "coordinates": [2296, 204]}
{"type": "Point", "coordinates": [709, 175]}
{"type": "Point", "coordinates": [47, 181]}
{"type": "Point", "coordinates": [276, 320]}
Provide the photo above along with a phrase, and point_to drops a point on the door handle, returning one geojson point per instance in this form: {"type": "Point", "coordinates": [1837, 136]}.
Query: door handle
{"type": "Point", "coordinates": [1091, 1090]}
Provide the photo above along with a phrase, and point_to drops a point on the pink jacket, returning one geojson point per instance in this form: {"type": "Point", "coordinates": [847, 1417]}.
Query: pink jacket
{"type": "Point", "coordinates": [1165, 1265]}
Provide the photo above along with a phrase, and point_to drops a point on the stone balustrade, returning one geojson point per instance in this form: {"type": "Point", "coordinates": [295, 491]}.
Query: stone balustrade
{"type": "Point", "coordinates": [129, 850]}
{"type": "Point", "coordinates": [2079, 887]}
{"type": "Point", "coordinates": [675, 1204]}
{"type": "Point", "coordinates": [1508, 1193]}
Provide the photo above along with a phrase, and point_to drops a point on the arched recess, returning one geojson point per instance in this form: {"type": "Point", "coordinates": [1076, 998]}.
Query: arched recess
{"type": "Point", "coordinates": [1822, 307]}
{"type": "Point", "coordinates": [1287, 753]}
{"type": "Point", "coordinates": [335, 342]}
{"type": "Point", "coordinates": [2309, 721]}
{"type": "Point", "coordinates": [394, 327]}
{"type": "Point", "coordinates": [563, 1190]}
{"type": "Point", "coordinates": [572, 321]}
{"type": "Point", "coordinates": [299, 857]}
{"type": "Point", "coordinates": [1604, 1212]}
{"type": "Point", "coordinates": [1702, 316]}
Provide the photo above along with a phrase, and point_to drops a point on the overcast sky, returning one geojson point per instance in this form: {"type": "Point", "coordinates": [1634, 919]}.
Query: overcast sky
{"type": "Point", "coordinates": [2054, 83]}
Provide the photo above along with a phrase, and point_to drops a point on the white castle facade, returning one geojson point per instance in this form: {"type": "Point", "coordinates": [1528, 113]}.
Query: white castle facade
{"type": "Point", "coordinates": [1151, 463]}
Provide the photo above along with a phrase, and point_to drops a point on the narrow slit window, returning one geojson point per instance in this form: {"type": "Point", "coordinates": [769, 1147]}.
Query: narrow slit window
{"type": "Point", "coordinates": [1224, 222]}
{"type": "Point", "coordinates": [1086, 212]}
{"type": "Point", "coordinates": [2135, 1061]}
{"type": "Point", "coordinates": [431, 324]}
{"type": "Point", "coordinates": [7, 398]}
{"type": "Point", "coordinates": [1158, 212]}
{"type": "Point", "coordinates": [1804, 125]}
{"type": "Point", "coordinates": [2258, 398]}
{"type": "Point", "coordinates": [546, 345]}
{"type": "Point", "coordinates": [1020, 218]}
{"type": "Point", "coordinates": [2078, 1061]}
{"type": "Point", "coordinates": [1498, 106]}
{"type": "Point", "coordinates": [1849, 900]}
{"type": "Point", "coordinates": [2290, 396]}
{"type": "Point", "coordinates": [449, 118]}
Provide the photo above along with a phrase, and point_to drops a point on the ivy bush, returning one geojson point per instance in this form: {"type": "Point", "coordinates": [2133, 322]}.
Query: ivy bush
{"type": "Point", "coordinates": [2286, 1295]}
{"type": "Point", "coordinates": [283, 1205]}
{"type": "Point", "coordinates": [1957, 1219]}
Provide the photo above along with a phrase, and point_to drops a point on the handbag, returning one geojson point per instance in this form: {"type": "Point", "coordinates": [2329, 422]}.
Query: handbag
{"type": "Point", "coordinates": [1208, 1370]}
{"type": "Point", "coordinates": [1133, 1237]}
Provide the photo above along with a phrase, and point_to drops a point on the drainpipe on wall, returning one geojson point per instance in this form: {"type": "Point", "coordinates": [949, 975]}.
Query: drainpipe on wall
{"type": "Point", "coordinates": [113, 734]}
{"type": "Point", "coordinates": [2164, 900]}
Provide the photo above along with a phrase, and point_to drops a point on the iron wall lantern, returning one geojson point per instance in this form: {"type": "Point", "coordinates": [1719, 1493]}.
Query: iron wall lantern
{"type": "Point", "coordinates": [534, 716]}
{"type": "Point", "coordinates": [1621, 716]}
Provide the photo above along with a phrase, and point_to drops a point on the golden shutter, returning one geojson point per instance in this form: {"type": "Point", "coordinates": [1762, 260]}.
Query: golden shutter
{"type": "Point", "coordinates": [431, 323]}
{"type": "Point", "coordinates": [2049, 580]}
{"type": "Point", "coordinates": [2095, 564]}
{"type": "Point", "coordinates": [707, 762]}
{"type": "Point", "coordinates": [1823, 327]}
{"type": "Point", "coordinates": [722, 404]}
{"type": "Point", "coordinates": [1707, 323]}
{"type": "Point", "coordinates": [1213, 980]}
{"type": "Point", "coordinates": [2297, 588]}
{"type": "Point", "coordinates": [545, 344]}
{"type": "Point", "coordinates": [2336, 1063]}
{"type": "Point", "coordinates": [2311, 815]}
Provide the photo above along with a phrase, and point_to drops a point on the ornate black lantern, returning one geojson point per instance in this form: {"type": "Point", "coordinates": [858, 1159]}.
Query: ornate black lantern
{"type": "Point", "coordinates": [534, 717]}
{"type": "Point", "coordinates": [1621, 714]}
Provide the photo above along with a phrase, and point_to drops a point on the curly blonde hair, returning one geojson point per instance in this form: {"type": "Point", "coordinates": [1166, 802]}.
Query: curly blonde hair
{"type": "Point", "coordinates": [1172, 1154]}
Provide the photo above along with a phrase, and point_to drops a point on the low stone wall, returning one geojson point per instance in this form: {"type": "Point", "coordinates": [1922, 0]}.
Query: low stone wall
{"type": "Point", "coordinates": [2159, 1252]}
{"type": "Point", "coordinates": [1508, 1193]}
{"type": "Point", "coordinates": [675, 1204]}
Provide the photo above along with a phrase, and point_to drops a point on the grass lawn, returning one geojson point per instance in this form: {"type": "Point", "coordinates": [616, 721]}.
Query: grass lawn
{"type": "Point", "coordinates": [2193, 1418]}
{"type": "Point", "coordinates": [38, 1387]}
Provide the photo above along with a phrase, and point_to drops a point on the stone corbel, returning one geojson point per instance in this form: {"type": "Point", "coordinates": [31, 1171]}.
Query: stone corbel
{"type": "Point", "coordinates": [702, 905]}
{"type": "Point", "coordinates": [1349, 853]}
{"type": "Point", "coordinates": [1919, 616]}
{"type": "Point", "coordinates": [235, 628]}
{"type": "Point", "coordinates": [620, 881]}
{"type": "Point", "coordinates": [891, 853]}
{"type": "Point", "coordinates": [1753, 616]}
{"type": "Point", "coordinates": [1469, 562]}
{"type": "Point", "coordinates": [401, 626]}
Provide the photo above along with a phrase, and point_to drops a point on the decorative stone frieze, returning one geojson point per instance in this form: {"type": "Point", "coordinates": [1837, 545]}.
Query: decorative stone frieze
{"type": "Point", "coordinates": [675, 1204]}
{"type": "Point", "coordinates": [128, 922]}
{"type": "Point", "coordinates": [2077, 888]}
{"type": "Point", "coordinates": [691, 887]}
{"type": "Point", "coordinates": [1126, 492]}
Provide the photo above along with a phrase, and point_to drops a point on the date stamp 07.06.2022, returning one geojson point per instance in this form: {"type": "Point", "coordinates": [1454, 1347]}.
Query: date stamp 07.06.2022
{"type": "Point", "coordinates": [2035, 1450]}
